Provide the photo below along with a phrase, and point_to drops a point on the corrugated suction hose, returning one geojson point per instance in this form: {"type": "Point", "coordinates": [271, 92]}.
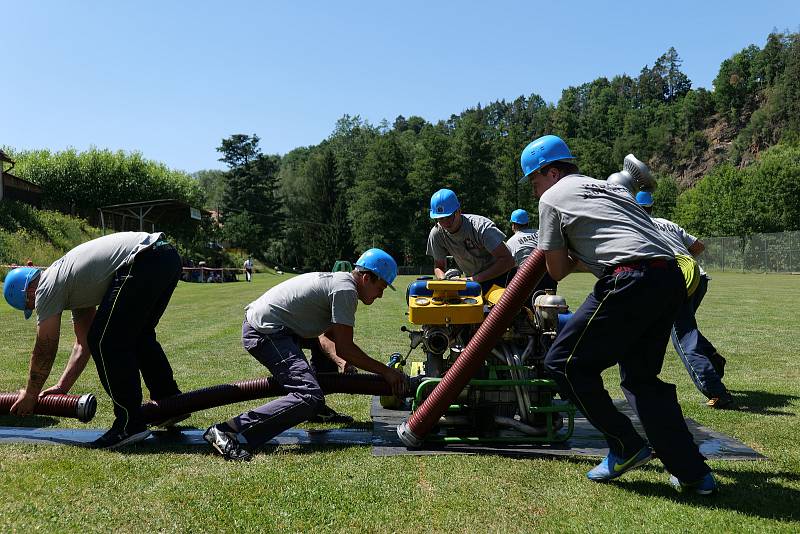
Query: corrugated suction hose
{"type": "Point", "coordinates": [258, 388]}
{"type": "Point", "coordinates": [415, 428]}
{"type": "Point", "coordinates": [81, 407]}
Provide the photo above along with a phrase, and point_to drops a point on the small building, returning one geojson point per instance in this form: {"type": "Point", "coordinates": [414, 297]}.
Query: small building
{"type": "Point", "coordinates": [15, 188]}
{"type": "Point", "coordinates": [141, 216]}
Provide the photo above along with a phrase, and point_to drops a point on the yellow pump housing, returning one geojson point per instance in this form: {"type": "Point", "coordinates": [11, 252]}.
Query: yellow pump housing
{"type": "Point", "coordinates": [445, 306]}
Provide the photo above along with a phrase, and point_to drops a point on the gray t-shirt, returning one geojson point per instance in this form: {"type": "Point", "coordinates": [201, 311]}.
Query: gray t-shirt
{"type": "Point", "coordinates": [308, 304]}
{"type": "Point", "coordinates": [471, 246]}
{"type": "Point", "coordinates": [677, 238]}
{"type": "Point", "coordinates": [80, 278]}
{"type": "Point", "coordinates": [599, 223]}
{"type": "Point", "coordinates": [522, 244]}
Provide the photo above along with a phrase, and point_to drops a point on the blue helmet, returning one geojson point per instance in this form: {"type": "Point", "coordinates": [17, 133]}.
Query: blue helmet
{"type": "Point", "coordinates": [540, 152]}
{"type": "Point", "coordinates": [380, 263]}
{"type": "Point", "coordinates": [644, 199]}
{"type": "Point", "coordinates": [444, 203]}
{"type": "Point", "coordinates": [15, 287]}
{"type": "Point", "coordinates": [519, 217]}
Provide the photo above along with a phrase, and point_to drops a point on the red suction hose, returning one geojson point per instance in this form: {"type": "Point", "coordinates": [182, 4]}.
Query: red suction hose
{"type": "Point", "coordinates": [258, 388]}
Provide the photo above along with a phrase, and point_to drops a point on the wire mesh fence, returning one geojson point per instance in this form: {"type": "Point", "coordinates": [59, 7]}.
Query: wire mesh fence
{"type": "Point", "coordinates": [763, 253]}
{"type": "Point", "coordinates": [777, 253]}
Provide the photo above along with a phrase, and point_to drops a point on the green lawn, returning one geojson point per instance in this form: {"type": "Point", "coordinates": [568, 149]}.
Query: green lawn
{"type": "Point", "coordinates": [753, 320]}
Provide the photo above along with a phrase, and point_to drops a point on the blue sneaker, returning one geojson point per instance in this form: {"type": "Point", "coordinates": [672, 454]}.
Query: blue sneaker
{"type": "Point", "coordinates": [705, 486]}
{"type": "Point", "coordinates": [613, 466]}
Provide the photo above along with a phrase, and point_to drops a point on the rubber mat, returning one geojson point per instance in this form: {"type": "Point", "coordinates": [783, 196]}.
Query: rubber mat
{"type": "Point", "coordinates": [182, 436]}
{"type": "Point", "coordinates": [585, 440]}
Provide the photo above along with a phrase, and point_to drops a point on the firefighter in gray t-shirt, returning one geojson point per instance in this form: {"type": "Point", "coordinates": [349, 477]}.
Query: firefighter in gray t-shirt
{"type": "Point", "coordinates": [308, 306]}
{"type": "Point", "coordinates": [704, 364]}
{"type": "Point", "coordinates": [476, 244]}
{"type": "Point", "coordinates": [522, 244]}
{"type": "Point", "coordinates": [624, 321]}
{"type": "Point", "coordinates": [117, 287]}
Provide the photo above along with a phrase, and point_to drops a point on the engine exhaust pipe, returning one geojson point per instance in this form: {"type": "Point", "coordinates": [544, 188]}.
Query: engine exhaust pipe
{"type": "Point", "coordinates": [415, 428]}
{"type": "Point", "coordinates": [258, 388]}
{"type": "Point", "coordinates": [80, 407]}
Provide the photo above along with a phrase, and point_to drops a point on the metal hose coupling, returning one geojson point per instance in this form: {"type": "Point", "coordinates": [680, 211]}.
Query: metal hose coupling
{"type": "Point", "coordinates": [635, 176]}
{"type": "Point", "coordinates": [86, 407]}
{"type": "Point", "coordinates": [80, 407]}
{"type": "Point", "coordinates": [408, 437]}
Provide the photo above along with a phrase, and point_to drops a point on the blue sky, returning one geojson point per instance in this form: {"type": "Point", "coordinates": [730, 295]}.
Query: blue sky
{"type": "Point", "coordinates": [171, 79]}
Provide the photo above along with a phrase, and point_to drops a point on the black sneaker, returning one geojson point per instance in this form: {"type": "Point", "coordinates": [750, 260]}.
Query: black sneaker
{"type": "Point", "coordinates": [326, 414]}
{"type": "Point", "coordinates": [116, 438]}
{"type": "Point", "coordinates": [170, 422]}
{"type": "Point", "coordinates": [225, 442]}
{"type": "Point", "coordinates": [718, 363]}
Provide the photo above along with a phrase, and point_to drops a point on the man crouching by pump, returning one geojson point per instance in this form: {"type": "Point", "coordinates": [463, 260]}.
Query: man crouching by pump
{"type": "Point", "coordinates": [308, 306]}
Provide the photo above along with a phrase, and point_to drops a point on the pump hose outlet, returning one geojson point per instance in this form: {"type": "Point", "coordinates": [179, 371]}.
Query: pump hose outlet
{"type": "Point", "coordinates": [436, 340]}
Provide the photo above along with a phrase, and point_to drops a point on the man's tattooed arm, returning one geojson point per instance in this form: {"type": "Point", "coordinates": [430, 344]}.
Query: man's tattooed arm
{"type": "Point", "coordinates": [44, 353]}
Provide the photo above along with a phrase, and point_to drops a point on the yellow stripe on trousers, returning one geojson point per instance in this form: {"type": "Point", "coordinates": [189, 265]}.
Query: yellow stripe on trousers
{"type": "Point", "coordinates": [100, 350]}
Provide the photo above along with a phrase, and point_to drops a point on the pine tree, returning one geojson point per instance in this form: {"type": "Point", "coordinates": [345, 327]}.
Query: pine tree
{"type": "Point", "coordinates": [250, 202]}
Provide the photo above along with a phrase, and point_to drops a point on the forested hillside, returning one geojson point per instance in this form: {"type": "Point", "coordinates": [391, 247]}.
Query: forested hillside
{"type": "Point", "coordinates": [727, 158]}
{"type": "Point", "coordinates": [369, 185]}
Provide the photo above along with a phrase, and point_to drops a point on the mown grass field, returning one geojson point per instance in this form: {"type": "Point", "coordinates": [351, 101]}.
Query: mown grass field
{"type": "Point", "coordinates": [753, 320]}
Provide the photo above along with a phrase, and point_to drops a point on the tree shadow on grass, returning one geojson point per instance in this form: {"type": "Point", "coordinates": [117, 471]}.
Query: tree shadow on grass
{"type": "Point", "coordinates": [763, 403]}
{"type": "Point", "coordinates": [752, 493]}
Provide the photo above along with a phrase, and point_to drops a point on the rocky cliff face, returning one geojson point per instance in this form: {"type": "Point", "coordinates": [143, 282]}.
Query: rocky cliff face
{"type": "Point", "coordinates": [719, 138]}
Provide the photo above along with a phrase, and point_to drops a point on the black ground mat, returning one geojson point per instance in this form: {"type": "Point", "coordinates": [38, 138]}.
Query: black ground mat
{"type": "Point", "coordinates": [183, 436]}
{"type": "Point", "coordinates": [585, 440]}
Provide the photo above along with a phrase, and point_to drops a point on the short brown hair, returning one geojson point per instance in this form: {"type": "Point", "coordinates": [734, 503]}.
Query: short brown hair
{"type": "Point", "coordinates": [372, 276]}
{"type": "Point", "coordinates": [564, 167]}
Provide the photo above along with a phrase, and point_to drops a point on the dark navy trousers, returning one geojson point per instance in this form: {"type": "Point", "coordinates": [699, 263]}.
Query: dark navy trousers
{"type": "Point", "coordinates": [280, 353]}
{"type": "Point", "coordinates": [122, 337]}
{"type": "Point", "coordinates": [626, 321]}
{"type": "Point", "coordinates": [693, 347]}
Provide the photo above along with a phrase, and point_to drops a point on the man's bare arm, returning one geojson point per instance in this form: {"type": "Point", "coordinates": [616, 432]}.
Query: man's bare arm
{"type": "Point", "coordinates": [82, 322]}
{"type": "Point", "coordinates": [328, 346]}
{"type": "Point", "coordinates": [44, 353]}
{"type": "Point", "coordinates": [439, 268]}
{"type": "Point", "coordinates": [347, 349]}
{"type": "Point", "coordinates": [697, 248]}
{"type": "Point", "coordinates": [42, 358]}
{"type": "Point", "coordinates": [559, 263]}
{"type": "Point", "coordinates": [503, 262]}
